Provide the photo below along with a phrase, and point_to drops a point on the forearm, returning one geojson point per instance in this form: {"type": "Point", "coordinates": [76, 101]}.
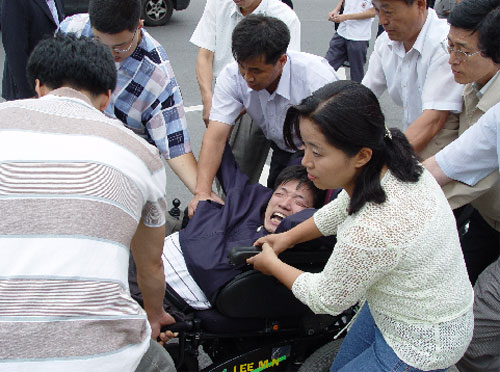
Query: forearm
{"type": "Point", "coordinates": [185, 167]}
{"type": "Point", "coordinates": [147, 247]}
{"type": "Point", "coordinates": [285, 273]}
{"type": "Point", "coordinates": [204, 76]}
{"type": "Point", "coordinates": [212, 148]}
{"type": "Point", "coordinates": [433, 167]}
{"type": "Point", "coordinates": [425, 127]}
{"type": "Point", "coordinates": [303, 232]}
{"type": "Point", "coordinates": [152, 285]}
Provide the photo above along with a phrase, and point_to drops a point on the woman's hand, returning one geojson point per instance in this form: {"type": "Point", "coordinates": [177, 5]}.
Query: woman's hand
{"type": "Point", "coordinates": [278, 242]}
{"type": "Point", "coordinates": [265, 260]}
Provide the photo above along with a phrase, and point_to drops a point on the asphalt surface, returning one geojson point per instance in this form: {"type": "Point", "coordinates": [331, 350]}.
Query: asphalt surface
{"type": "Point", "coordinates": [316, 34]}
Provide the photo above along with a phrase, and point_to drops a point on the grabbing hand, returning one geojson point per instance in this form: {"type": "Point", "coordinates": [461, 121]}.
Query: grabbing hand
{"type": "Point", "coordinates": [193, 204]}
{"type": "Point", "coordinates": [278, 242]}
{"type": "Point", "coordinates": [162, 320]}
{"type": "Point", "coordinates": [264, 260]}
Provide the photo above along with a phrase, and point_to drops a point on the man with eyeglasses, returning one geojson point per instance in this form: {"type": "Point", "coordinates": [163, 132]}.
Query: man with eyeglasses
{"type": "Point", "coordinates": [147, 98]}
{"type": "Point", "coordinates": [409, 62]}
{"type": "Point", "coordinates": [473, 160]}
{"type": "Point", "coordinates": [480, 73]}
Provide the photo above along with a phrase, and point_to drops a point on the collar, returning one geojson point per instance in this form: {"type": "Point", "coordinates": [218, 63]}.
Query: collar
{"type": "Point", "coordinates": [481, 91]}
{"type": "Point", "coordinates": [488, 95]}
{"type": "Point", "coordinates": [68, 92]}
{"type": "Point", "coordinates": [261, 9]}
{"type": "Point", "coordinates": [283, 88]}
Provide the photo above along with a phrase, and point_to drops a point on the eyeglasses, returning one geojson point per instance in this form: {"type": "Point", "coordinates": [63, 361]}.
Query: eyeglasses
{"type": "Point", "coordinates": [462, 56]}
{"type": "Point", "coordinates": [117, 49]}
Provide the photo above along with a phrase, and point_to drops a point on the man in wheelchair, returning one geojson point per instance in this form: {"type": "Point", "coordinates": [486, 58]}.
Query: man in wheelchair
{"type": "Point", "coordinates": [195, 259]}
{"type": "Point", "coordinates": [239, 315]}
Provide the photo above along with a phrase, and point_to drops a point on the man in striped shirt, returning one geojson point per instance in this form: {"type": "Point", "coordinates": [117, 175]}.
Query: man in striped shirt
{"type": "Point", "coordinates": [78, 192]}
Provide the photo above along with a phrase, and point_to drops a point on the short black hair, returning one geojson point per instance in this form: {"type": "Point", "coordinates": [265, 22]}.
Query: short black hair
{"type": "Point", "coordinates": [68, 60]}
{"type": "Point", "coordinates": [114, 16]}
{"type": "Point", "coordinates": [258, 35]}
{"type": "Point", "coordinates": [483, 17]}
{"type": "Point", "coordinates": [299, 173]}
{"type": "Point", "coordinates": [348, 114]}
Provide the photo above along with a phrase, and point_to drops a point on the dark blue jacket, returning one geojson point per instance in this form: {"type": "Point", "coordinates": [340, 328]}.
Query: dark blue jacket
{"type": "Point", "coordinates": [24, 24]}
{"type": "Point", "coordinates": [215, 229]}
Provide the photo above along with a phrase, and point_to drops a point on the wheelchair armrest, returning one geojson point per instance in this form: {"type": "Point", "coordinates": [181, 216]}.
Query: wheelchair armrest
{"type": "Point", "coordinates": [255, 295]}
{"type": "Point", "coordinates": [252, 294]}
{"type": "Point", "coordinates": [239, 255]}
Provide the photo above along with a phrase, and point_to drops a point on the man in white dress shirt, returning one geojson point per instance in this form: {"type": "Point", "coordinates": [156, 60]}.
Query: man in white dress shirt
{"type": "Point", "coordinates": [265, 81]}
{"type": "Point", "coordinates": [409, 62]}
{"type": "Point", "coordinates": [213, 37]}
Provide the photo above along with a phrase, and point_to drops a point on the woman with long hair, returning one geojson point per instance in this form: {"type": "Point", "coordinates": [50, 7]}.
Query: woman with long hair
{"type": "Point", "coordinates": [397, 245]}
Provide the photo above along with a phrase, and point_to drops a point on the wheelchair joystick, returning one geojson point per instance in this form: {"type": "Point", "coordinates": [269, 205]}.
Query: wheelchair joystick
{"type": "Point", "coordinates": [239, 255]}
{"type": "Point", "coordinates": [175, 211]}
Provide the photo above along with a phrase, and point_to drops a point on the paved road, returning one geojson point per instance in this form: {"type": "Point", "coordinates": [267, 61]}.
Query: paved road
{"type": "Point", "coordinates": [316, 33]}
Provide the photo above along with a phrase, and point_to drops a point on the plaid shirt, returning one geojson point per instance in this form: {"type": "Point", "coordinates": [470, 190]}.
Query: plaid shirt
{"type": "Point", "coordinates": [147, 98]}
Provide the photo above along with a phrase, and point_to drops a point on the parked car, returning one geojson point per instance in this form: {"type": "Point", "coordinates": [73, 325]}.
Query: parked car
{"type": "Point", "coordinates": [154, 12]}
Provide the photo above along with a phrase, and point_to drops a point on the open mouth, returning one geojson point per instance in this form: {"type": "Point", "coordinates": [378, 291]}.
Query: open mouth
{"type": "Point", "coordinates": [277, 217]}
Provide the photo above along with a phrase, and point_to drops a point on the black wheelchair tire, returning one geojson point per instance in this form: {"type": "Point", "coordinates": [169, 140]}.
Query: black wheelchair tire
{"type": "Point", "coordinates": [322, 359]}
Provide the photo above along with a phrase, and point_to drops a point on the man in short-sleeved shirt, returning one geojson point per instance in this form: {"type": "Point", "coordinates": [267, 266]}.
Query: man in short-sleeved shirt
{"type": "Point", "coordinates": [470, 21]}
{"type": "Point", "coordinates": [410, 63]}
{"type": "Point", "coordinates": [213, 37]}
{"type": "Point", "coordinates": [147, 98]}
{"type": "Point", "coordinates": [469, 159]}
{"type": "Point", "coordinates": [79, 193]}
{"type": "Point", "coordinates": [351, 40]}
{"type": "Point", "coordinates": [265, 88]}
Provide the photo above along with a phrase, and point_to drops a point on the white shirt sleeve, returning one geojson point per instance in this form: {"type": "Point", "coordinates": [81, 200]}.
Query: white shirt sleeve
{"type": "Point", "coordinates": [227, 103]}
{"type": "Point", "coordinates": [476, 153]}
{"type": "Point", "coordinates": [440, 91]}
{"type": "Point", "coordinates": [204, 34]}
{"type": "Point", "coordinates": [375, 76]}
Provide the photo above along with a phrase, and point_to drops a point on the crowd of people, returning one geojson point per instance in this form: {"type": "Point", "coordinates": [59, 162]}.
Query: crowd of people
{"type": "Point", "coordinates": [94, 113]}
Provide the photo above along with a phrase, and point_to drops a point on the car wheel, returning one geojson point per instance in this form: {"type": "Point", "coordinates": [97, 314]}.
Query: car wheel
{"type": "Point", "coordinates": [157, 12]}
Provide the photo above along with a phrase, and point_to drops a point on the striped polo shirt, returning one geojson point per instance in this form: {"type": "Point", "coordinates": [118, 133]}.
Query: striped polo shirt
{"type": "Point", "coordinates": [74, 185]}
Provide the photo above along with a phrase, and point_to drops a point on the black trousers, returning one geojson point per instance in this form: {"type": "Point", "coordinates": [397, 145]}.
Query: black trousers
{"type": "Point", "coordinates": [480, 246]}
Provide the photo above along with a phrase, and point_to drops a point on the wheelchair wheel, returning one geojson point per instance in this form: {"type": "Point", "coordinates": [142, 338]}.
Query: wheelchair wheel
{"type": "Point", "coordinates": [322, 359]}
